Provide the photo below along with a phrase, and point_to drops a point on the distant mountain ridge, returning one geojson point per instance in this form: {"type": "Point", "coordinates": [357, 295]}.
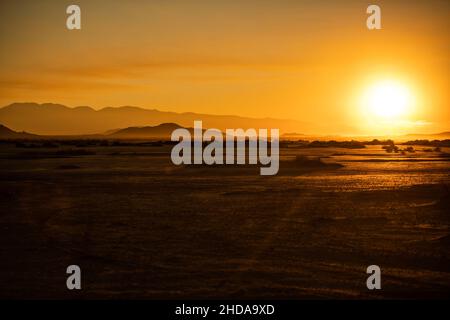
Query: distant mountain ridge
{"type": "Point", "coordinates": [57, 119]}
{"type": "Point", "coordinates": [162, 131]}
{"type": "Point", "coordinates": [441, 135]}
{"type": "Point", "coordinates": [7, 133]}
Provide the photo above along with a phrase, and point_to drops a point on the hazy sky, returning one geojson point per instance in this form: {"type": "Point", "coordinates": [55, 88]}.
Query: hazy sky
{"type": "Point", "coordinates": [305, 60]}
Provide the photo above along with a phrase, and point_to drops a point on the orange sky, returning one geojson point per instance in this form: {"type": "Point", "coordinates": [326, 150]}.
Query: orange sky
{"type": "Point", "coordinates": [304, 60]}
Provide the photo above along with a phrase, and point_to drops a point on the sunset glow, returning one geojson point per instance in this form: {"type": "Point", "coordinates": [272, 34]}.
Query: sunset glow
{"type": "Point", "coordinates": [263, 153]}
{"type": "Point", "coordinates": [388, 100]}
{"type": "Point", "coordinates": [298, 60]}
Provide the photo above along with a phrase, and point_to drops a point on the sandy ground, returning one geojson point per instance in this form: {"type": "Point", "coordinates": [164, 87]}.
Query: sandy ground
{"type": "Point", "coordinates": [139, 227]}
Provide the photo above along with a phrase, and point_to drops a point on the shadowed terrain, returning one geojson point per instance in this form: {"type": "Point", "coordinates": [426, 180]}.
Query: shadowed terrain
{"type": "Point", "coordinates": [140, 227]}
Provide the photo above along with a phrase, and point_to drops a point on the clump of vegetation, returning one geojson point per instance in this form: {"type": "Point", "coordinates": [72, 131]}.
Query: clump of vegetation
{"type": "Point", "coordinates": [391, 148]}
{"type": "Point", "coordinates": [376, 142]}
{"type": "Point", "coordinates": [433, 143]}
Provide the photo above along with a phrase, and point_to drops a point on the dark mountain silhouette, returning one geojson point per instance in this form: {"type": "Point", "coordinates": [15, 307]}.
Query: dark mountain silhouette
{"type": "Point", "coordinates": [56, 119]}
{"type": "Point", "coordinates": [7, 133]}
{"type": "Point", "coordinates": [162, 131]}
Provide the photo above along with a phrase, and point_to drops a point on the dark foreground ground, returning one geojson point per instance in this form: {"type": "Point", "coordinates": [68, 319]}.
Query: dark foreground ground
{"type": "Point", "coordinates": [139, 227]}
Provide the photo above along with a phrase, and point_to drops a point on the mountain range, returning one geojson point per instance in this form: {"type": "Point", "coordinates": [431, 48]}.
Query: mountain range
{"type": "Point", "coordinates": [7, 133]}
{"type": "Point", "coordinates": [57, 119]}
{"type": "Point", "coordinates": [162, 131]}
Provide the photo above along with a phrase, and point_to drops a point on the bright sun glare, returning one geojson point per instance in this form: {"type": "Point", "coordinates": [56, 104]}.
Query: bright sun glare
{"type": "Point", "coordinates": [388, 100]}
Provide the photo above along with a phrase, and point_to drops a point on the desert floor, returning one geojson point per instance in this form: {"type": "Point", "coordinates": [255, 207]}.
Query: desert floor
{"type": "Point", "coordinates": [140, 227]}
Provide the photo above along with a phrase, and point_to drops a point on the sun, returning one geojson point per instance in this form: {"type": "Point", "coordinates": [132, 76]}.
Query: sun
{"type": "Point", "coordinates": [388, 100]}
